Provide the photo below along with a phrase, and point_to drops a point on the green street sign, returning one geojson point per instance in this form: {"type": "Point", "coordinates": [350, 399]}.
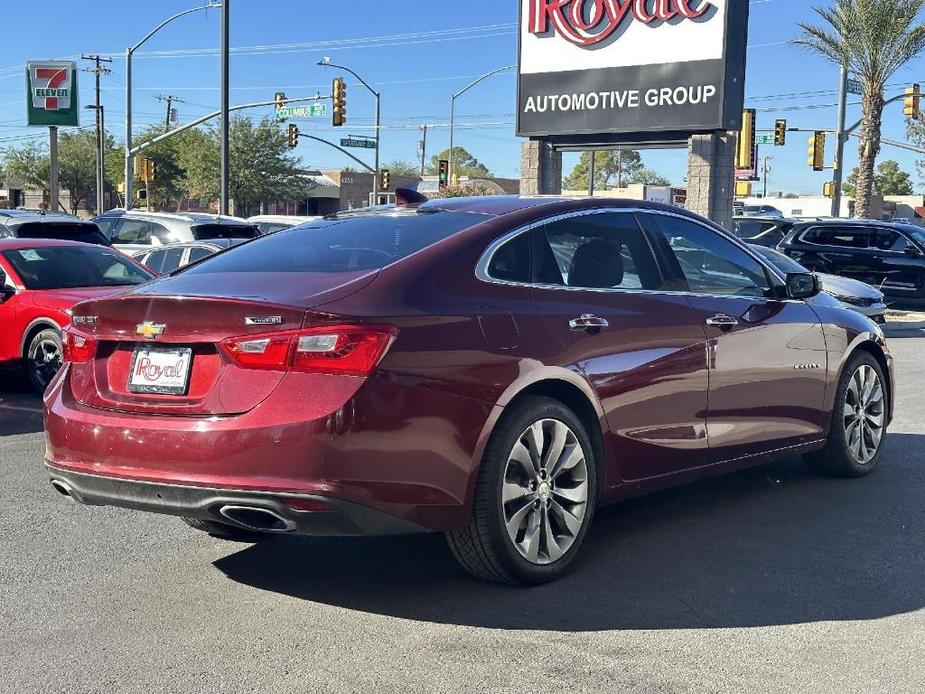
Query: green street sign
{"type": "Point", "coordinates": [855, 87]}
{"type": "Point", "coordinates": [51, 93]}
{"type": "Point", "coordinates": [359, 143]}
{"type": "Point", "coordinates": [764, 139]}
{"type": "Point", "coordinates": [309, 111]}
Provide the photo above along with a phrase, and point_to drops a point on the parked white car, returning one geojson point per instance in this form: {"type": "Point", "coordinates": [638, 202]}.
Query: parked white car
{"type": "Point", "coordinates": [136, 230]}
{"type": "Point", "coordinates": [268, 223]}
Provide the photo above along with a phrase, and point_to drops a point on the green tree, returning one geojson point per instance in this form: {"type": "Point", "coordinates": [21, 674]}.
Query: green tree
{"type": "Point", "coordinates": [648, 177]}
{"type": "Point", "coordinates": [30, 164]}
{"type": "Point", "coordinates": [470, 190]}
{"type": "Point", "coordinates": [889, 179]}
{"type": "Point", "coordinates": [610, 169]}
{"type": "Point", "coordinates": [171, 185]}
{"type": "Point", "coordinates": [464, 164]}
{"type": "Point", "coordinates": [873, 39]}
{"type": "Point", "coordinates": [261, 164]}
{"type": "Point", "coordinates": [402, 168]}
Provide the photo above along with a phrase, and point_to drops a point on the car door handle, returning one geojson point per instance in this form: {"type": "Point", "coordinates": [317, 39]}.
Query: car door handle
{"type": "Point", "coordinates": [721, 320]}
{"type": "Point", "coordinates": [587, 321]}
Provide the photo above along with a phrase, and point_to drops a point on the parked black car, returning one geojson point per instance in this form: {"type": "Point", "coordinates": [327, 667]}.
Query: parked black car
{"type": "Point", "coordinates": [761, 231]}
{"type": "Point", "coordinates": [887, 255]}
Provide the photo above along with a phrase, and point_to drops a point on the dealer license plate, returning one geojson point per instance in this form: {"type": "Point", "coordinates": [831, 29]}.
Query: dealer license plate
{"type": "Point", "coordinates": [164, 371]}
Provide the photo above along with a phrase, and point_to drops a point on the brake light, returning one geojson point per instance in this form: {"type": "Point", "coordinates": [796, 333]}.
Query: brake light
{"type": "Point", "coordinates": [353, 350]}
{"type": "Point", "coordinates": [77, 346]}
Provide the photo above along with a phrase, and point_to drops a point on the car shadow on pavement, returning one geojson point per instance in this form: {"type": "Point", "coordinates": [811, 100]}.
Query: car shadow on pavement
{"type": "Point", "coordinates": [20, 408]}
{"type": "Point", "coordinates": [768, 546]}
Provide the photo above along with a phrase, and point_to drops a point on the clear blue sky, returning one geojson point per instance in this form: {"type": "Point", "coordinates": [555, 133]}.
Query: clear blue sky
{"type": "Point", "coordinates": [417, 53]}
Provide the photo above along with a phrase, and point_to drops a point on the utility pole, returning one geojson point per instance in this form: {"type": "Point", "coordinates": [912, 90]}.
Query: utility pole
{"type": "Point", "coordinates": [619, 168]}
{"type": "Point", "coordinates": [96, 71]}
{"type": "Point", "coordinates": [591, 173]}
{"type": "Point", "coordinates": [423, 147]}
{"type": "Point", "coordinates": [226, 102]}
{"type": "Point", "coordinates": [840, 138]}
{"type": "Point", "coordinates": [765, 170]}
{"type": "Point", "coordinates": [53, 168]}
{"type": "Point", "coordinates": [170, 101]}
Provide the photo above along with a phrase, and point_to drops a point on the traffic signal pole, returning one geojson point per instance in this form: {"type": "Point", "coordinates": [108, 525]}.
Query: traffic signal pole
{"type": "Point", "coordinates": [840, 139]}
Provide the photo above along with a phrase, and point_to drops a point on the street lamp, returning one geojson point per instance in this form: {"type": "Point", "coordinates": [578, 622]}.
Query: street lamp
{"type": "Point", "coordinates": [453, 110]}
{"type": "Point", "coordinates": [129, 52]}
{"type": "Point", "coordinates": [326, 62]}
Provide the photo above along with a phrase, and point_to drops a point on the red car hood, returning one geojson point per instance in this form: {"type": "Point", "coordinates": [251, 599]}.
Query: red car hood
{"type": "Point", "coordinates": [61, 299]}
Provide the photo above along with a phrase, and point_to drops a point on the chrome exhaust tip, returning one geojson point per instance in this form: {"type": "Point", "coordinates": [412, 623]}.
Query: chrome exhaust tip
{"type": "Point", "coordinates": [257, 518]}
{"type": "Point", "coordinates": [64, 489]}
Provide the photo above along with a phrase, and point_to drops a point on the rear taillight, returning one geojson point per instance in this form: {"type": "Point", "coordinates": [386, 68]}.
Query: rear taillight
{"type": "Point", "coordinates": [353, 350]}
{"type": "Point", "coordinates": [78, 347]}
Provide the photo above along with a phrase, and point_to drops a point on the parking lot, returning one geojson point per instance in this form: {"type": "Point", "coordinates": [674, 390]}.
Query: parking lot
{"type": "Point", "coordinates": [769, 580]}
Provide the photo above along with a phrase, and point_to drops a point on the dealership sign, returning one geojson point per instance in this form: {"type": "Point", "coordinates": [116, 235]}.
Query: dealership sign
{"type": "Point", "coordinates": [617, 67]}
{"type": "Point", "coordinates": [51, 93]}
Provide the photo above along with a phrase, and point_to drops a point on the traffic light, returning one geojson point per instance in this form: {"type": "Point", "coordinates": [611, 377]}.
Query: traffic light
{"type": "Point", "coordinates": [780, 133]}
{"type": "Point", "coordinates": [743, 189]}
{"type": "Point", "coordinates": [150, 169]}
{"type": "Point", "coordinates": [913, 100]}
{"type": "Point", "coordinates": [816, 151]}
{"type": "Point", "coordinates": [279, 100]}
{"type": "Point", "coordinates": [139, 166]}
{"type": "Point", "coordinates": [444, 174]}
{"type": "Point", "coordinates": [745, 153]}
{"type": "Point", "coordinates": [385, 179]}
{"type": "Point", "coordinates": [828, 189]}
{"type": "Point", "coordinates": [339, 95]}
{"type": "Point", "coordinates": [293, 135]}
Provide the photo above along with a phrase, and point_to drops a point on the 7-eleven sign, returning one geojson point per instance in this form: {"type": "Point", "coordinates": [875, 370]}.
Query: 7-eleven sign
{"type": "Point", "coordinates": [52, 92]}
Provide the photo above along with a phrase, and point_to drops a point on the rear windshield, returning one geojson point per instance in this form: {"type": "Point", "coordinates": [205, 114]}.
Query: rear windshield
{"type": "Point", "coordinates": [207, 232]}
{"type": "Point", "coordinates": [64, 231]}
{"type": "Point", "coordinates": [68, 267]}
{"type": "Point", "coordinates": [364, 242]}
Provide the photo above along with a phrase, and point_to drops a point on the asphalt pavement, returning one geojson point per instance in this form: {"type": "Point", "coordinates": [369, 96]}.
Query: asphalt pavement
{"type": "Point", "coordinates": [768, 580]}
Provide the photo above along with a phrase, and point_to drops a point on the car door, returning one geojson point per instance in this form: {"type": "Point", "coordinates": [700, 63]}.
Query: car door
{"type": "Point", "coordinates": [898, 265]}
{"type": "Point", "coordinates": [845, 250]}
{"type": "Point", "coordinates": [767, 356]}
{"type": "Point", "coordinates": [11, 327]}
{"type": "Point", "coordinates": [131, 235]}
{"type": "Point", "coordinates": [609, 315]}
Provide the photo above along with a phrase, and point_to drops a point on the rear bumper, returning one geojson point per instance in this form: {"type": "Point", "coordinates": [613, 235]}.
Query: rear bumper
{"type": "Point", "coordinates": [343, 518]}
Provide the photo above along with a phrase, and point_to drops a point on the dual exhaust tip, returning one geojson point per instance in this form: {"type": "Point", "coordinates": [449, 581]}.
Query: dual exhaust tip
{"type": "Point", "coordinates": [255, 518]}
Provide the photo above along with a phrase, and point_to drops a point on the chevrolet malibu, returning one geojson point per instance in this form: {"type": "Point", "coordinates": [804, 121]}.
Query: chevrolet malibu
{"type": "Point", "coordinates": [493, 369]}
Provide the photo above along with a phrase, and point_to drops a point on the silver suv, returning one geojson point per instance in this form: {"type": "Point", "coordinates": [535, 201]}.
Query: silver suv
{"type": "Point", "coordinates": [136, 230]}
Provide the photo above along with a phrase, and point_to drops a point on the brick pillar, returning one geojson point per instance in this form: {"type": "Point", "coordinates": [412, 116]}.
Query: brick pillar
{"type": "Point", "coordinates": [710, 176]}
{"type": "Point", "coordinates": [540, 169]}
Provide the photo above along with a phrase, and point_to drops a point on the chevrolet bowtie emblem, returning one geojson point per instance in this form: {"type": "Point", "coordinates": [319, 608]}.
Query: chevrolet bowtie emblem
{"type": "Point", "coordinates": [149, 330]}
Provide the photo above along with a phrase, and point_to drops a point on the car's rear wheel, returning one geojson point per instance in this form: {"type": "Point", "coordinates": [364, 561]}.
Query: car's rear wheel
{"type": "Point", "coordinates": [534, 498]}
{"type": "Point", "coordinates": [43, 358]}
{"type": "Point", "coordinates": [859, 421]}
{"type": "Point", "coordinates": [221, 530]}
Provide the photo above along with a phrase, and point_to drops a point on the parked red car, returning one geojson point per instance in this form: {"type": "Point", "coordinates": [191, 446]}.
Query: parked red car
{"type": "Point", "coordinates": [490, 368]}
{"type": "Point", "coordinates": [40, 281]}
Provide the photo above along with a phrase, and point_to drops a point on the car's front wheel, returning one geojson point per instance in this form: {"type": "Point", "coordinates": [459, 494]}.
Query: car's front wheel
{"type": "Point", "coordinates": [859, 421]}
{"type": "Point", "coordinates": [534, 499]}
{"type": "Point", "coordinates": [43, 358]}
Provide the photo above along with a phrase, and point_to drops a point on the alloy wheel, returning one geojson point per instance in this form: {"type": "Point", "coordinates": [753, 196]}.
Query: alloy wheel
{"type": "Point", "coordinates": [44, 361]}
{"type": "Point", "coordinates": [544, 497]}
{"type": "Point", "coordinates": [864, 414]}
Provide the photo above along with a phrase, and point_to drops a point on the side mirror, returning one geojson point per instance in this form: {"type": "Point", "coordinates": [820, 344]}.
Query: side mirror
{"type": "Point", "coordinates": [803, 285]}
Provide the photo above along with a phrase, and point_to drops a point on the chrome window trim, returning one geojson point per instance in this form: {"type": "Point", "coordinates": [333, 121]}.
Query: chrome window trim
{"type": "Point", "coordinates": [481, 267]}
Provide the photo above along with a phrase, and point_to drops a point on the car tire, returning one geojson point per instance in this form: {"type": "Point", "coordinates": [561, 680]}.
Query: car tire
{"type": "Point", "coordinates": [43, 358]}
{"type": "Point", "coordinates": [859, 421]}
{"type": "Point", "coordinates": [223, 531]}
{"type": "Point", "coordinates": [531, 509]}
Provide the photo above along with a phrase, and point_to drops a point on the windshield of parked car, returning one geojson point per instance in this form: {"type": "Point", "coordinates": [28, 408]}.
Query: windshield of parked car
{"type": "Point", "coordinates": [207, 232]}
{"type": "Point", "coordinates": [916, 233]}
{"type": "Point", "coordinates": [69, 267]}
{"type": "Point", "coordinates": [62, 231]}
{"type": "Point", "coordinates": [778, 260]}
{"type": "Point", "coordinates": [344, 244]}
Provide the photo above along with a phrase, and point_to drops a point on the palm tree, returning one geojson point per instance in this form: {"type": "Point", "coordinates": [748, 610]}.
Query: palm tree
{"type": "Point", "coordinates": [872, 39]}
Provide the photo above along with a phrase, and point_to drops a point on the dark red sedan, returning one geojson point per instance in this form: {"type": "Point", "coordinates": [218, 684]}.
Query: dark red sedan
{"type": "Point", "coordinates": [40, 281]}
{"type": "Point", "coordinates": [491, 368]}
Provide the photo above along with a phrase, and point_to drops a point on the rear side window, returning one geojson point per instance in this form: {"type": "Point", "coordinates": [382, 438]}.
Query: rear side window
{"type": "Point", "coordinates": [105, 224]}
{"type": "Point", "coordinates": [64, 231]}
{"type": "Point", "coordinates": [141, 232]}
{"type": "Point", "coordinates": [598, 251]}
{"type": "Point", "coordinates": [199, 252]}
{"type": "Point", "coordinates": [206, 232]}
{"type": "Point", "coordinates": [352, 244]}
{"type": "Point", "coordinates": [511, 262]}
{"type": "Point", "coordinates": [165, 260]}
{"type": "Point", "coordinates": [837, 236]}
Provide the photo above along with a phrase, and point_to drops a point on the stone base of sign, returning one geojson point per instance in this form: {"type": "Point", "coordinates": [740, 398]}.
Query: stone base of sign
{"type": "Point", "coordinates": [540, 169]}
{"type": "Point", "coordinates": [711, 176]}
